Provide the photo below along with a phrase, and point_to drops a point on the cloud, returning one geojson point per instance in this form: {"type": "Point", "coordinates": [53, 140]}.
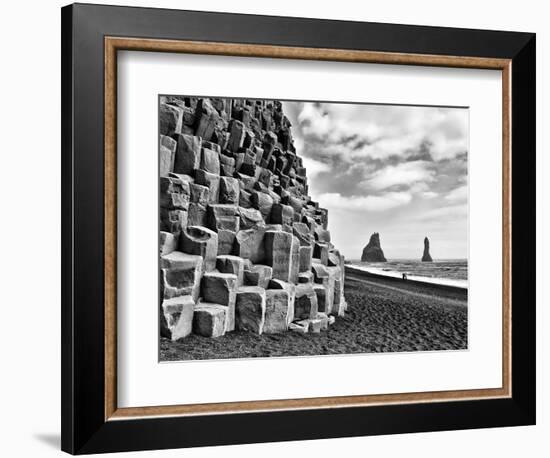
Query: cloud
{"type": "Point", "coordinates": [404, 174]}
{"type": "Point", "coordinates": [446, 214]}
{"type": "Point", "coordinates": [384, 148]}
{"type": "Point", "coordinates": [383, 131]}
{"type": "Point", "coordinates": [458, 194]}
{"type": "Point", "coordinates": [314, 121]}
{"type": "Point", "coordinates": [383, 202]}
{"type": "Point", "coordinates": [442, 147]}
{"type": "Point", "coordinates": [314, 167]}
{"type": "Point", "coordinates": [429, 194]}
{"type": "Point", "coordinates": [422, 189]}
{"type": "Point", "coordinates": [298, 143]}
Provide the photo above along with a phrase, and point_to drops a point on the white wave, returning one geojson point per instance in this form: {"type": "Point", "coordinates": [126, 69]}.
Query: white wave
{"type": "Point", "coordinates": [396, 274]}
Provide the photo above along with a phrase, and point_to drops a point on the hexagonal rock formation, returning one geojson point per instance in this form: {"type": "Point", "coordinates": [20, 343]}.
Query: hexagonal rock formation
{"type": "Point", "coordinates": [243, 248]}
{"type": "Point", "coordinates": [177, 317]}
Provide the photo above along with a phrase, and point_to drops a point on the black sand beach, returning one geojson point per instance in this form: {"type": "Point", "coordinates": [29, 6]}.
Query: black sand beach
{"type": "Point", "coordinates": [384, 315]}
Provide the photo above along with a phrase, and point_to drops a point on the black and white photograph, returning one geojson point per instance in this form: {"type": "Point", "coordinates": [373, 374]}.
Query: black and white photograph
{"type": "Point", "coordinates": [307, 228]}
{"type": "Point", "coordinates": [275, 229]}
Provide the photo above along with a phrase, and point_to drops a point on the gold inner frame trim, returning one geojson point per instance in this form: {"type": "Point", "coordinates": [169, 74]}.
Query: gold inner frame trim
{"type": "Point", "coordinates": [114, 44]}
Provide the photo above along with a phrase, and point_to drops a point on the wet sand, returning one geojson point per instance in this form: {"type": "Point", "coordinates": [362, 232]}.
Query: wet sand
{"type": "Point", "coordinates": [384, 315]}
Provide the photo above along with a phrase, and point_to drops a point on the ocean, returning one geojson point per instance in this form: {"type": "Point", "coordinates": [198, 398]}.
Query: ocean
{"type": "Point", "coordinates": [452, 272]}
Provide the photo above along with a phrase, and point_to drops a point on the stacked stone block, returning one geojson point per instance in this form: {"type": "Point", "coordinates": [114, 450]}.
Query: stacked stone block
{"type": "Point", "coordinates": [242, 245]}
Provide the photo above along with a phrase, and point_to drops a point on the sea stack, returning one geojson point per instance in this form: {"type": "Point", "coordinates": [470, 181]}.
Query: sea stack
{"type": "Point", "coordinates": [426, 256]}
{"type": "Point", "coordinates": [373, 252]}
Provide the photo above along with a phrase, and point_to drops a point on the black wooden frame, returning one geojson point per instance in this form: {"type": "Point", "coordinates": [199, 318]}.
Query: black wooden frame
{"type": "Point", "coordinates": [84, 429]}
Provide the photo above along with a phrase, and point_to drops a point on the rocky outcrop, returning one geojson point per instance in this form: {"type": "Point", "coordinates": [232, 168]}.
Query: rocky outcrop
{"type": "Point", "coordinates": [373, 251]}
{"type": "Point", "coordinates": [243, 246]}
{"type": "Point", "coordinates": [426, 255]}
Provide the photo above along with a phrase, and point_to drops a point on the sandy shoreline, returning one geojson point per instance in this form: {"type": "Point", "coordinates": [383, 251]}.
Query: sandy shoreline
{"type": "Point", "coordinates": [379, 272]}
{"type": "Point", "coordinates": [383, 316]}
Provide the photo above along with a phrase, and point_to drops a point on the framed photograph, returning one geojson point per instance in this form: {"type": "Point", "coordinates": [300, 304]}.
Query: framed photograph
{"type": "Point", "coordinates": [284, 228]}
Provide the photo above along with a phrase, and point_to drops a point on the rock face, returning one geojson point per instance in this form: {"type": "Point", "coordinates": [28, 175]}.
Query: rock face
{"type": "Point", "coordinates": [277, 310]}
{"type": "Point", "coordinates": [177, 317]}
{"type": "Point", "coordinates": [209, 320]}
{"type": "Point", "coordinates": [250, 311]}
{"type": "Point", "coordinates": [373, 252]}
{"type": "Point", "coordinates": [243, 247]}
{"type": "Point", "coordinates": [426, 256]}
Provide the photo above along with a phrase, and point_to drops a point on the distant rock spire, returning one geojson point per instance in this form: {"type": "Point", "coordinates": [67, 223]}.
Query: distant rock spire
{"type": "Point", "coordinates": [426, 256]}
{"type": "Point", "coordinates": [373, 252]}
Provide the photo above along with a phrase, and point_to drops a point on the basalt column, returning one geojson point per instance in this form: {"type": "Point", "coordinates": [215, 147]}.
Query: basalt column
{"type": "Point", "coordinates": [243, 246]}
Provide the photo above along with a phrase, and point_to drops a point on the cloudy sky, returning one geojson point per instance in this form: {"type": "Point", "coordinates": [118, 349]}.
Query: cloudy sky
{"type": "Point", "coordinates": [401, 171]}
